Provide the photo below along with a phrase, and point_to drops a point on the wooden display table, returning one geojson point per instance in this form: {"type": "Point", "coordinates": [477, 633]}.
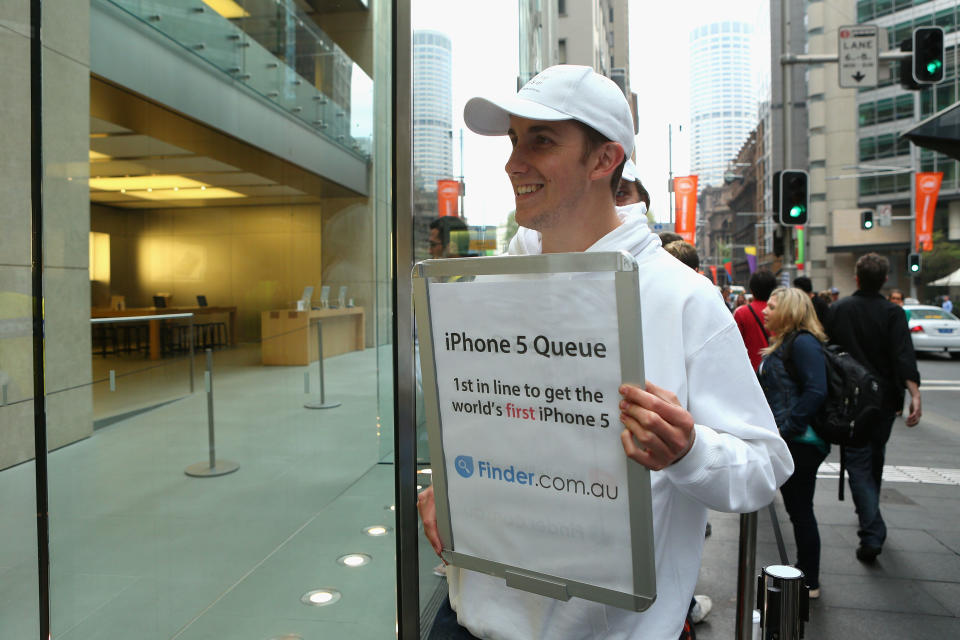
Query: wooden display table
{"type": "Point", "coordinates": [289, 337]}
{"type": "Point", "coordinates": [155, 348]}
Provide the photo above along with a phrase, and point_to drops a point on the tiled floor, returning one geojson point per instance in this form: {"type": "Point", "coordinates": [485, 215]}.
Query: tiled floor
{"type": "Point", "coordinates": [140, 550]}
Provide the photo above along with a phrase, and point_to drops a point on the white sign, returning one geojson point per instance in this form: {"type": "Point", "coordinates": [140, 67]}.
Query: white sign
{"type": "Point", "coordinates": [858, 50]}
{"type": "Point", "coordinates": [528, 395]}
{"type": "Point", "coordinates": [884, 215]}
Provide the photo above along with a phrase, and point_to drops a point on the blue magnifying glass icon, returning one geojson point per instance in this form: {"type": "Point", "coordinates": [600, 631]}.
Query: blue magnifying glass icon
{"type": "Point", "coordinates": [464, 465]}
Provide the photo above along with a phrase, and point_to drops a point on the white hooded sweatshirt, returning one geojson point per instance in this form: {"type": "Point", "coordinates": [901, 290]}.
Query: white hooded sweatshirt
{"type": "Point", "coordinates": [692, 347]}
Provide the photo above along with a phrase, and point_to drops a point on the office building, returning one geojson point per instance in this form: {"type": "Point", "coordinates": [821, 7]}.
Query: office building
{"type": "Point", "coordinates": [593, 34]}
{"type": "Point", "coordinates": [432, 109]}
{"type": "Point", "coordinates": [723, 106]}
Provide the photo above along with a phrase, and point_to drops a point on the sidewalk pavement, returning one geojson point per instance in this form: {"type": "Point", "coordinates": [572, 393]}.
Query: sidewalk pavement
{"type": "Point", "coordinates": [911, 591]}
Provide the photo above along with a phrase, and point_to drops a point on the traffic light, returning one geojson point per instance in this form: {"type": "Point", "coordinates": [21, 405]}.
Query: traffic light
{"type": "Point", "coordinates": [790, 196]}
{"type": "Point", "coordinates": [928, 55]}
{"type": "Point", "coordinates": [866, 219]}
{"type": "Point", "coordinates": [913, 263]}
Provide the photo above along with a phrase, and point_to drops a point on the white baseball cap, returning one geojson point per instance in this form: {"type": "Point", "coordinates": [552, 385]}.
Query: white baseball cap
{"type": "Point", "coordinates": [561, 92]}
{"type": "Point", "coordinates": [630, 172]}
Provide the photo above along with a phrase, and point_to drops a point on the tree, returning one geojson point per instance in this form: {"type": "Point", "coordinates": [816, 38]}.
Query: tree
{"type": "Point", "coordinates": [942, 261]}
{"type": "Point", "coordinates": [512, 225]}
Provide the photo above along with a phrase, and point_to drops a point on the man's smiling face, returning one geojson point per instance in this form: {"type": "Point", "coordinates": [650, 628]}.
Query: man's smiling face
{"type": "Point", "coordinates": [547, 170]}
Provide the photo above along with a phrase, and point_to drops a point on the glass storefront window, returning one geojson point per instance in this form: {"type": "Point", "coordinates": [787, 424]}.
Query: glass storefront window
{"type": "Point", "coordinates": [217, 269]}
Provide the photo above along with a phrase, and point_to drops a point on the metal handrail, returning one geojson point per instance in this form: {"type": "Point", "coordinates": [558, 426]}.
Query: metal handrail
{"type": "Point", "coordinates": [164, 316]}
{"type": "Point", "coordinates": [161, 316]}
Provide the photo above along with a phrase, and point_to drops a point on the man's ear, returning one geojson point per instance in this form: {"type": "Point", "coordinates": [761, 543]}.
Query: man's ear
{"type": "Point", "coordinates": [606, 159]}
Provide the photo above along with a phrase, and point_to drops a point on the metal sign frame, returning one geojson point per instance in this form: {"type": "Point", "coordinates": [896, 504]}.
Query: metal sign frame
{"type": "Point", "coordinates": [625, 271]}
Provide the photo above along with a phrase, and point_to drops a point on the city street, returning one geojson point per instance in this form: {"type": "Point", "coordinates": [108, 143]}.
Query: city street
{"type": "Point", "coordinates": [913, 589]}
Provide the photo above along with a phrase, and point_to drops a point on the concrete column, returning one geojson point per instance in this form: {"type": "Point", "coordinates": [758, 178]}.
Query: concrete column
{"type": "Point", "coordinates": [66, 117]}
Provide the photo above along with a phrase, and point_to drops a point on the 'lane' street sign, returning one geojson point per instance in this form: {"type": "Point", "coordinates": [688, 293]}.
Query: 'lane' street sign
{"type": "Point", "coordinates": [858, 49]}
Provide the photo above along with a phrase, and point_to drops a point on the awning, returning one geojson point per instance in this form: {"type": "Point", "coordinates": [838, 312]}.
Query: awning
{"type": "Point", "coordinates": [940, 132]}
{"type": "Point", "coordinates": [952, 280]}
{"type": "Point", "coordinates": [877, 247]}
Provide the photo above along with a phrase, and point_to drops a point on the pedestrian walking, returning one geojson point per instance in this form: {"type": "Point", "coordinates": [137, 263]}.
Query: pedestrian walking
{"type": "Point", "coordinates": [749, 318]}
{"type": "Point", "coordinates": [794, 381]}
{"type": "Point", "coordinates": [874, 331]}
{"type": "Point", "coordinates": [821, 306]}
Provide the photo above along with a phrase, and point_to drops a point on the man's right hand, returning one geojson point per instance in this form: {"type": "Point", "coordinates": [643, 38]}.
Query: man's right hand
{"type": "Point", "coordinates": [915, 410]}
{"type": "Point", "coordinates": [428, 514]}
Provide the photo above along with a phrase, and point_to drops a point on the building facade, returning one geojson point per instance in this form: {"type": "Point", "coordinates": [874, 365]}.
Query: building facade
{"type": "Point", "coordinates": [723, 107]}
{"type": "Point", "coordinates": [432, 109]}
{"type": "Point", "coordinates": [593, 34]}
{"type": "Point", "coordinates": [884, 158]}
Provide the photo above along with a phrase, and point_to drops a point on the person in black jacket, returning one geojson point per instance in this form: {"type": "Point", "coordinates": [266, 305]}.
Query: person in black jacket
{"type": "Point", "coordinates": [874, 331]}
{"type": "Point", "coordinates": [793, 375]}
{"type": "Point", "coordinates": [819, 304]}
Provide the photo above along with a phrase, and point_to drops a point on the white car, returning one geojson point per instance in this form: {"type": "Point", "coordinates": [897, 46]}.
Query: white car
{"type": "Point", "coordinates": [933, 329]}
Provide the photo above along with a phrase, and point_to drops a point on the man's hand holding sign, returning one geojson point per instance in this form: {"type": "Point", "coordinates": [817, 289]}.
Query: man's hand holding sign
{"type": "Point", "coordinates": [658, 430]}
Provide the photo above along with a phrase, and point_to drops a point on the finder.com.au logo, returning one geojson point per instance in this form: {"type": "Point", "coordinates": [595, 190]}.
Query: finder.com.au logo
{"type": "Point", "coordinates": [482, 469]}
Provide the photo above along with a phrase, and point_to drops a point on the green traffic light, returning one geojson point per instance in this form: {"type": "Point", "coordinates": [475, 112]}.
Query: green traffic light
{"type": "Point", "coordinates": [914, 267]}
{"type": "Point", "coordinates": [934, 66]}
{"type": "Point", "coordinates": [868, 224]}
{"type": "Point", "coordinates": [797, 210]}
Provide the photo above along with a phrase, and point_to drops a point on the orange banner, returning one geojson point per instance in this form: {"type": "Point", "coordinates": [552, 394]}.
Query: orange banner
{"type": "Point", "coordinates": [447, 193]}
{"type": "Point", "coordinates": [928, 188]}
{"type": "Point", "coordinates": [685, 196]}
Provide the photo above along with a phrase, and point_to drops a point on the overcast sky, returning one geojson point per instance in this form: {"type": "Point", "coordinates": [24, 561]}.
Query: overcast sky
{"type": "Point", "coordinates": [485, 61]}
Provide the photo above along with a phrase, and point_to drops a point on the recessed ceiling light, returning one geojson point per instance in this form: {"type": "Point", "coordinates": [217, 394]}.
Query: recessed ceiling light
{"type": "Point", "coordinates": [354, 560]}
{"type": "Point", "coordinates": [320, 597]}
{"type": "Point", "coordinates": [377, 531]}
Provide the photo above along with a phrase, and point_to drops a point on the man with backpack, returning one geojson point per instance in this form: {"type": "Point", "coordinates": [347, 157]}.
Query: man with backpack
{"type": "Point", "coordinates": [874, 331]}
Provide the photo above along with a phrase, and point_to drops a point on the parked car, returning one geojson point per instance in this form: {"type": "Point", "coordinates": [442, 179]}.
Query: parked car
{"type": "Point", "coordinates": [933, 329]}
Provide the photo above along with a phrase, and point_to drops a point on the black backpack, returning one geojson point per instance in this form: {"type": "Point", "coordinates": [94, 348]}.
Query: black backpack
{"type": "Point", "coordinates": [853, 401]}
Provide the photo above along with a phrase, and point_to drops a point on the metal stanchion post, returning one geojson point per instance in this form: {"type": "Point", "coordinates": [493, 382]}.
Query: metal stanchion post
{"type": "Point", "coordinates": [323, 404]}
{"type": "Point", "coordinates": [191, 352]}
{"type": "Point", "coordinates": [211, 468]}
{"type": "Point", "coordinates": [746, 569]}
{"type": "Point", "coordinates": [783, 602]}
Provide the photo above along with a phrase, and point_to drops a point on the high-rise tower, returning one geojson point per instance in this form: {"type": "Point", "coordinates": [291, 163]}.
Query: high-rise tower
{"type": "Point", "coordinates": [432, 109]}
{"type": "Point", "coordinates": [723, 106]}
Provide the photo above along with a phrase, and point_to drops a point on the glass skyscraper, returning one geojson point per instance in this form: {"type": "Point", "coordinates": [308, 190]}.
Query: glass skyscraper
{"type": "Point", "coordinates": [723, 107]}
{"type": "Point", "coordinates": [432, 109]}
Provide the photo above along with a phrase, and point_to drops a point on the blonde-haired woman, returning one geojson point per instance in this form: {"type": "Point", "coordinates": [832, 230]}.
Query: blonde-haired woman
{"type": "Point", "coordinates": [794, 379]}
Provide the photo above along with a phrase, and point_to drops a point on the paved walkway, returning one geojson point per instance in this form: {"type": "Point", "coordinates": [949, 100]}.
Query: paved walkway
{"type": "Point", "coordinates": [912, 591]}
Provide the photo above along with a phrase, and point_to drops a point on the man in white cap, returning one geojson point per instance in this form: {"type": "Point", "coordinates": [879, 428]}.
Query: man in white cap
{"type": "Point", "coordinates": [701, 425]}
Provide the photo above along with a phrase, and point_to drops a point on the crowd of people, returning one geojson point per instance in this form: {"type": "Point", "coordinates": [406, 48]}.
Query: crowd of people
{"type": "Point", "coordinates": [724, 419]}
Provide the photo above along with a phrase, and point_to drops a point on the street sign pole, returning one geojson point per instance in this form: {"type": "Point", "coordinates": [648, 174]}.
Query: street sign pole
{"type": "Point", "coordinates": [787, 104]}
